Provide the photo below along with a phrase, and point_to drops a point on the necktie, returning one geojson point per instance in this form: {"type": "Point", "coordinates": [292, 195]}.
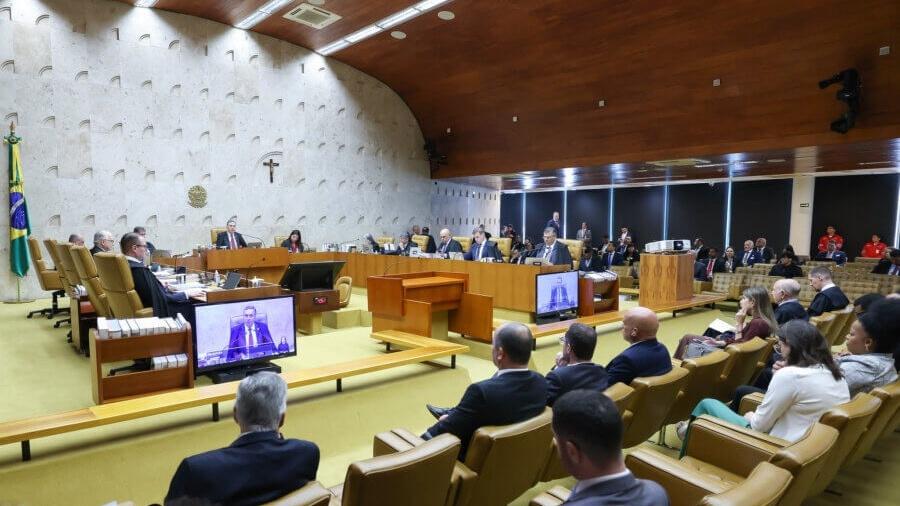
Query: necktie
{"type": "Point", "coordinates": [250, 339]}
{"type": "Point", "coordinates": [609, 257]}
{"type": "Point", "coordinates": [547, 251]}
{"type": "Point", "coordinates": [709, 267]}
{"type": "Point", "coordinates": [232, 243]}
{"type": "Point", "coordinates": [480, 249]}
{"type": "Point", "coordinates": [746, 257]}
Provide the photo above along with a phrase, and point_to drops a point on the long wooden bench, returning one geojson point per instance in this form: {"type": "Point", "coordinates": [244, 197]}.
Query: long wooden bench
{"type": "Point", "coordinates": [420, 349]}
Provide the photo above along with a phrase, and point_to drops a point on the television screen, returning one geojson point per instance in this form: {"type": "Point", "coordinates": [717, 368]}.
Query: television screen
{"type": "Point", "coordinates": [230, 334]}
{"type": "Point", "coordinates": [556, 292]}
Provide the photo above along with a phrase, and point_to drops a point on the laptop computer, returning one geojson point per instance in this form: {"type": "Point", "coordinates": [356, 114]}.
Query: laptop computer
{"type": "Point", "coordinates": [232, 281]}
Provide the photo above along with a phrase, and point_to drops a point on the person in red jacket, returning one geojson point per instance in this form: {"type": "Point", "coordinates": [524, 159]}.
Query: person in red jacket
{"type": "Point", "coordinates": [830, 235]}
{"type": "Point", "coordinates": [874, 248]}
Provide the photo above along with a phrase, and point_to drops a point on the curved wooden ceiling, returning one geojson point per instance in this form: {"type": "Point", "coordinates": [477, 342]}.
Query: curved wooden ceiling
{"type": "Point", "coordinates": [549, 62]}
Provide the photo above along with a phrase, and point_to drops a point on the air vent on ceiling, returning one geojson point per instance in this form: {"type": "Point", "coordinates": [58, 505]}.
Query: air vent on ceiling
{"type": "Point", "coordinates": [312, 16]}
{"type": "Point", "coordinates": [680, 162]}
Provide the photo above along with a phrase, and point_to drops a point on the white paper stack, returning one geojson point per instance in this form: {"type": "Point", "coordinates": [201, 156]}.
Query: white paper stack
{"type": "Point", "coordinates": [102, 328]}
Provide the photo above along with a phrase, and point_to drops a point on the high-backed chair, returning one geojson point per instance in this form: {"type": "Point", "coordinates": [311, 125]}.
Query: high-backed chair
{"type": "Point", "coordinates": [311, 494]}
{"type": "Point", "coordinates": [279, 239]}
{"type": "Point", "coordinates": [501, 462]}
{"type": "Point", "coordinates": [701, 383]}
{"type": "Point", "coordinates": [465, 242]}
{"type": "Point", "coordinates": [48, 279]}
{"type": "Point", "coordinates": [385, 239]}
{"type": "Point", "coordinates": [652, 399]}
{"type": "Point", "coordinates": [741, 365]}
{"type": "Point", "coordinates": [890, 401]}
{"type": "Point", "coordinates": [575, 248]}
{"type": "Point", "coordinates": [765, 486]}
{"type": "Point", "coordinates": [504, 244]}
{"type": "Point", "coordinates": [50, 244]}
{"type": "Point", "coordinates": [720, 456]}
{"type": "Point", "coordinates": [214, 234]}
{"type": "Point", "coordinates": [421, 241]}
{"type": "Point", "coordinates": [344, 286]}
{"type": "Point", "coordinates": [419, 475]}
{"type": "Point", "coordinates": [87, 273]}
{"type": "Point", "coordinates": [68, 266]}
{"type": "Point", "coordinates": [117, 283]}
{"type": "Point", "coordinates": [626, 280]}
{"type": "Point", "coordinates": [823, 323]}
{"type": "Point", "coordinates": [836, 332]}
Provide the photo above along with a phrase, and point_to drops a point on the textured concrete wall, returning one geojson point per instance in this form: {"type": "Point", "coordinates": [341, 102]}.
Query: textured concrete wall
{"type": "Point", "coordinates": [461, 208]}
{"type": "Point", "coordinates": [123, 109]}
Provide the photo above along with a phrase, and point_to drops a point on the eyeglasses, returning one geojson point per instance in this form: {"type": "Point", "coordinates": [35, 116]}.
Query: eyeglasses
{"type": "Point", "coordinates": [562, 340]}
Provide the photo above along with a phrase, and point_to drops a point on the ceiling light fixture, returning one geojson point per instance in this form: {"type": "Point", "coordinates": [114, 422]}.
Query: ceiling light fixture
{"type": "Point", "coordinates": [397, 34]}
{"type": "Point", "coordinates": [380, 26]}
{"type": "Point", "coordinates": [262, 13]}
{"type": "Point", "coordinates": [145, 3]}
{"type": "Point", "coordinates": [446, 15]}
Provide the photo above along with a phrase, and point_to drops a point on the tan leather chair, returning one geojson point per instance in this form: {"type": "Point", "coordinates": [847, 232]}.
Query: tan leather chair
{"type": "Point", "coordinates": [504, 244]}
{"type": "Point", "coordinates": [63, 252]}
{"type": "Point", "coordinates": [278, 240]}
{"type": "Point", "coordinates": [652, 399]}
{"type": "Point", "coordinates": [465, 242]}
{"type": "Point", "coordinates": [344, 286]}
{"type": "Point", "coordinates": [48, 279]}
{"type": "Point", "coordinates": [720, 456]}
{"type": "Point", "coordinates": [765, 486]}
{"type": "Point", "coordinates": [50, 244]}
{"type": "Point", "coordinates": [214, 233]}
{"type": "Point", "coordinates": [87, 273]}
{"type": "Point", "coordinates": [421, 241]}
{"type": "Point", "coordinates": [701, 383]}
{"type": "Point", "coordinates": [385, 239]}
{"type": "Point", "coordinates": [419, 475]}
{"type": "Point", "coordinates": [890, 401]}
{"type": "Point", "coordinates": [311, 494]}
{"type": "Point", "coordinates": [626, 280]}
{"type": "Point", "coordinates": [824, 322]}
{"type": "Point", "coordinates": [836, 332]}
{"type": "Point", "coordinates": [575, 248]}
{"type": "Point", "coordinates": [741, 366]}
{"type": "Point", "coordinates": [501, 462]}
{"type": "Point", "coordinates": [117, 283]}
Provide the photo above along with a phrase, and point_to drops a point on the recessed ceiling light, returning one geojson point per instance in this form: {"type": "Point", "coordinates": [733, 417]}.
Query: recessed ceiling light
{"type": "Point", "coordinates": [515, 119]}
{"type": "Point", "coordinates": [775, 160]}
{"type": "Point", "coordinates": [397, 34]}
{"type": "Point", "coordinates": [717, 82]}
{"type": "Point", "coordinates": [446, 15]}
{"type": "Point", "coordinates": [316, 2]}
{"type": "Point", "coordinates": [884, 50]}
{"type": "Point", "coordinates": [144, 3]}
{"type": "Point", "coordinates": [601, 103]}
{"type": "Point", "coordinates": [449, 130]}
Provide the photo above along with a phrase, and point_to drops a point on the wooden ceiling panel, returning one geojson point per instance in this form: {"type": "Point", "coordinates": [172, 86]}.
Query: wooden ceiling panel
{"type": "Point", "coordinates": [227, 12]}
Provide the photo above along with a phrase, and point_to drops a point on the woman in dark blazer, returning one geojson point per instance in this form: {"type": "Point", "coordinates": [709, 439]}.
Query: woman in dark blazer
{"type": "Point", "coordinates": [294, 242]}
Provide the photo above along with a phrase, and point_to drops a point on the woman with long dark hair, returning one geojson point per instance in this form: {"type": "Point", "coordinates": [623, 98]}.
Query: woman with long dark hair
{"type": "Point", "coordinates": [294, 242]}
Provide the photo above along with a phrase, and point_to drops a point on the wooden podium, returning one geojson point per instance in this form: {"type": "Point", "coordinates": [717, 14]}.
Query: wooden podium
{"type": "Point", "coordinates": [666, 279]}
{"type": "Point", "coordinates": [266, 263]}
{"type": "Point", "coordinates": [416, 303]}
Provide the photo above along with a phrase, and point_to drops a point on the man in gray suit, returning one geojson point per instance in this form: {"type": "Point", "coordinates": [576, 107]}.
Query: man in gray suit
{"type": "Point", "coordinates": [553, 251]}
{"type": "Point", "coordinates": [588, 432]}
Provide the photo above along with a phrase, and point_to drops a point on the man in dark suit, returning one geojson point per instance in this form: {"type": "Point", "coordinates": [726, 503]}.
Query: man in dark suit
{"type": "Point", "coordinates": [784, 294]}
{"type": "Point", "coordinates": [448, 244]}
{"type": "Point", "coordinates": [553, 251]}
{"type": "Point", "coordinates": [890, 267]}
{"type": "Point", "coordinates": [700, 249]}
{"type": "Point", "coordinates": [430, 247]}
{"type": "Point", "coordinates": [704, 269]}
{"type": "Point", "coordinates": [765, 252]}
{"type": "Point", "coordinates": [786, 267]}
{"type": "Point", "coordinates": [141, 231]}
{"type": "Point", "coordinates": [403, 247]}
{"type": "Point", "coordinates": [149, 289]}
{"type": "Point", "coordinates": [250, 339]}
{"type": "Point", "coordinates": [554, 223]}
{"type": "Point", "coordinates": [588, 263]}
{"type": "Point", "coordinates": [482, 248]}
{"type": "Point", "coordinates": [231, 238]}
{"type": "Point", "coordinates": [512, 395]}
{"type": "Point", "coordinates": [749, 256]}
{"type": "Point", "coordinates": [611, 257]}
{"type": "Point", "coordinates": [588, 431]}
{"type": "Point", "coordinates": [260, 465]}
{"type": "Point", "coordinates": [829, 296]}
{"type": "Point", "coordinates": [645, 356]}
{"type": "Point", "coordinates": [832, 254]}
{"type": "Point", "coordinates": [103, 242]}
{"type": "Point", "coordinates": [574, 369]}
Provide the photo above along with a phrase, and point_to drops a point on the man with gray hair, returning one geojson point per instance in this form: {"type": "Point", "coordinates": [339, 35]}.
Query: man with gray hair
{"type": "Point", "coordinates": [784, 294]}
{"type": "Point", "coordinates": [76, 240]}
{"type": "Point", "coordinates": [103, 241]}
{"type": "Point", "coordinates": [260, 465]}
{"type": "Point", "coordinates": [553, 251]}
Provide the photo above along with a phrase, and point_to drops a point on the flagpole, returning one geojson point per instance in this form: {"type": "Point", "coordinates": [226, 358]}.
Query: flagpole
{"type": "Point", "coordinates": [18, 299]}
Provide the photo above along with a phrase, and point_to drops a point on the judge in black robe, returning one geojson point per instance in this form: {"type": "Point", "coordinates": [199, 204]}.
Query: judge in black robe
{"type": "Point", "coordinates": [151, 292]}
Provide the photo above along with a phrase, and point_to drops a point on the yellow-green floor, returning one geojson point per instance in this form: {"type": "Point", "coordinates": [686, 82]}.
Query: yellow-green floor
{"type": "Point", "coordinates": [40, 374]}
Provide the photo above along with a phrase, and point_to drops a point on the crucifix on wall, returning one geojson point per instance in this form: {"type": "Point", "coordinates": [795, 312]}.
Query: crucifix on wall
{"type": "Point", "coordinates": [271, 164]}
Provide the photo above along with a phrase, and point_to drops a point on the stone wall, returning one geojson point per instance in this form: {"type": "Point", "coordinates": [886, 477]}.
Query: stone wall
{"type": "Point", "coordinates": [123, 110]}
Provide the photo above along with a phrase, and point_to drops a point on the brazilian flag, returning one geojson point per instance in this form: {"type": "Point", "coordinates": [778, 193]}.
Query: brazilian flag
{"type": "Point", "coordinates": [19, 229]}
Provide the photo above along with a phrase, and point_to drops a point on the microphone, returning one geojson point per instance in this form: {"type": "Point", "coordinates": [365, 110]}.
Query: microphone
{"type": "Point", "coordinates": [261, 242]}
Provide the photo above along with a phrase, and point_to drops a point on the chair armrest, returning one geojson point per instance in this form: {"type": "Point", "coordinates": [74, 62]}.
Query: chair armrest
{"type": "Point", "coordinates": [394, 441]}
{"type": "Point", "coordinates": [553, 497]}
{"type": "Point", "coordinates": [464, 480]}
{"type": "Point", "coordinates": [750, 402]}
{"type": "Point", "coordinates": [730, 447]}
{"type": "Point", "coordinates": [679, 480]}
{"type": "Point", "coordinates": [311, 494]}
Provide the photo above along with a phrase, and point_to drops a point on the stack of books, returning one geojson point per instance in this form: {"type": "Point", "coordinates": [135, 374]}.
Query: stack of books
{"type": "Point", "coordinates": [108, 328]}
{"type": "Point", "coordinates": [166, 361]}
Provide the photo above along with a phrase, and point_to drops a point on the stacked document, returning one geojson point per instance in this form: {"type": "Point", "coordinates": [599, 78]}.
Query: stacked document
{"type": "Point", "coordinates": [108, 328]}
{"type": "Point", "coordinates": [167, 361]}
{"type": "Point", "coordinates": [190, 285]}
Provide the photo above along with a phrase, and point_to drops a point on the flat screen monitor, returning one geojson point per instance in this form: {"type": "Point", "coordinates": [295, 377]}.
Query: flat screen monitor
{"type": "Point", "coordinates": [233, 334]}
{"type": "Point", "coordinates": [556, 292]}
{"type": "Point", "coordinates": [311, 276]}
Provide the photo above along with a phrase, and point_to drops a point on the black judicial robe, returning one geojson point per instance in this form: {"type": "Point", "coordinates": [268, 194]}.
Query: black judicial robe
{"type": "Point", "coordinates": [153, 294]}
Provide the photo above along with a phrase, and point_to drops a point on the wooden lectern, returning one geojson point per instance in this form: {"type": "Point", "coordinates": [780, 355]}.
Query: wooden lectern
{"type": "Point", "coordinates": [666, 279]}
{"type": "Point", "coordinates": [266, 263]}
{"type": "Point", "coordinates": [415, 303]}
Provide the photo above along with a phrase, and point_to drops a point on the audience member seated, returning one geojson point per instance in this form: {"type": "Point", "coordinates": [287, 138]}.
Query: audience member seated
{"type": "Point", "coordinates": [765, 252]}
{"type": "Point", "coordinates": [76, 240]}
{"type": "Point", "coordinates": [588, 263]}
{"type": "Point", "coordinates": [890, 266]}
{"type": "Point", "coordinates": [832, 254]}
{"type": "Point", "coordinates": [588, 431]}
{"type": "Point", "coordinates": [786, 266]}
{"type": "Point", "coordinates": [294, 242]}
{"type": "Point", "coordinates": [149, 289]}
{"type": "Point", "coordinates": [483, 248]}
{"type": "Point", "coordinates": [103, 242]}
{"type": "Point", "coordinates": [376, 248]}
{"type": "Point", "coordinates": [552, 250]}
{"type": "Point", "coordinates": [754, 303]}
{"type": "Point", "coordinates": [513, 394]}
{"type": "Point", "coordinates": [729, 260]}
{"type": "Point", "coordinates": [141, 231]}
{"type": "Point", "coordinates": [230, 238]}
{"type": "Point", "coordinates": [610, 257]}
{"type": "Point", "coordinates": [701, 251]}
{"type": "Point", "coordinates": [829, 296]}
{"type": "Point", "coordinates": [625, 237]}
{"type": "Point", "coordinates": [830, 235]}
{"type": "Point", "coordinates": [624, 245]}
{"type": "Point", "coordinates": [583, 233]}
{"type": "Point", "coordinates": [430, 247]}
{"type": "Point", "coordinates": [809, 384]}
{"type": "Point", "coordinates": [448, 244]}
{"type": "Point", "coordinates": [574, 368]}
{"type": "Point", "coordinates": [868, 361]}
{"type": "Point", "coordinates": [874, 248]}
{"type": "Point", "coordinates": [749, 256]}
{"type": "Point", "coordinates": [404, 246]}
{"type": "Point", "coordinates": [260, 465]}
{"type": "Point", "coordinates": [631, 255]}
{"type": "Point", "coordinates": [784, 294]}
{"type": "Point", "coordinates": [517, 254]}
{"type": "Point", "coordinates": [645, 356]}
{"type": "Point", "coordinates": [704, 269]}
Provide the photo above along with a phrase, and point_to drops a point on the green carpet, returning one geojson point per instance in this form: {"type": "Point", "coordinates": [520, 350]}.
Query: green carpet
{"type": "Point", "coordinates": [41, 374]}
